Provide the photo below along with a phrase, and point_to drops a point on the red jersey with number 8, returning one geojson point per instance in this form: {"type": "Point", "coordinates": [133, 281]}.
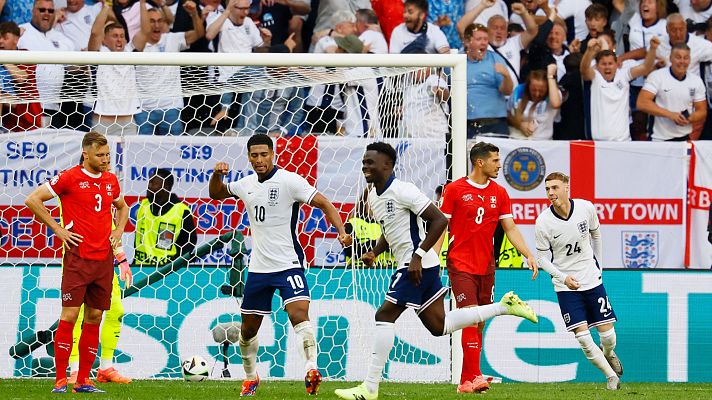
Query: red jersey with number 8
{"type": "Point", "coordinates": [85, 204]}
{"type": "Point", "coordinates": [474, 211]}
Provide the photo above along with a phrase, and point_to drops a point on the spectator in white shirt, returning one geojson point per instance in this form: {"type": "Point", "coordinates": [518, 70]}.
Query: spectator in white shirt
{"type": "Point", "coordinates": [415, 31]}
{"type": "Point", "coordinates": [610, 86]}
{"type": "Point", "coordinates": [343, 24]}
{"type": "Point", "coordinates": [674, 97]}
{"type": "Point", "coordinates": [369, 31]}
{"type": "Point", "coordinates": [161, 116]}
{"type": "Point", "coordinates": [509, 48]}
{"type": "Point", "coordinates": [534, 105]}
{"type": "Point", "coordinates": [38, 35]}
{"type": "Point", "coordinates": [76, 21]}
{"type": "Point", "coordinates": [425, 108]}
{"type": "Point", "coordinates": [698, 11]}
{"type": "Point", "coordinates": [117, 96]}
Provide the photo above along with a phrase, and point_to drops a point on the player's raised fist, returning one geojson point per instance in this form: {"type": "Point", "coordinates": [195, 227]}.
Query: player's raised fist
{"type": "Point", "coordinates": [345, 239]}
{"type": "Point", "coordinates": [221, 168]}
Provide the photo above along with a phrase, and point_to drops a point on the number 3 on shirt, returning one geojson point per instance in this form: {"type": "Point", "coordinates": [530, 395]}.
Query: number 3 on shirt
{"type": "Point", "coordinates": [480, 215]}
{"type": "Point", "coordinates": [97, 207]}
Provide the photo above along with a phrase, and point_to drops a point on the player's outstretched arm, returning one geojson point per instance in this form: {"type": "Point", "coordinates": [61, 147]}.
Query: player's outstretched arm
{"type": "Point", "coordinates": [216, 187]}
{"type": "Point", "coordinates": [35, 202]}
{"type": "Point", "coordinates": [515, 236]}
{"type": "Point", "coordinates": [332, 215]}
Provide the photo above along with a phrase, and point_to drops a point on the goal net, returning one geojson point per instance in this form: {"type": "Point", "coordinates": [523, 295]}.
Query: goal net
{"type": "Point", "coordinates": [322, 111]}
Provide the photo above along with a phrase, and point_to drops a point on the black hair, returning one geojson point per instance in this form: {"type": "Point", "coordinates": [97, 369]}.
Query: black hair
{"type": "Point", "coordinates": [420, 4]}
{"type": "Point", "coordinates": [258, 139]}
{"type": "Point", "coordinates": [482, 150]}
{"type": "Point", "coordinates": [167, 176]}
{"type": "Point", "coordinates": [384, 148]}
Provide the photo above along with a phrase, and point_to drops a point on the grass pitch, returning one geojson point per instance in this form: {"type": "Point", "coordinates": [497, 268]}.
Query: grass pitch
{"type": "Point", "coordinates": [212, 390]}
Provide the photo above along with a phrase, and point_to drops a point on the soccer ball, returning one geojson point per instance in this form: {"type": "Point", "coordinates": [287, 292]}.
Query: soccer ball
{"type": "Point", "coordinates": [195, 369]}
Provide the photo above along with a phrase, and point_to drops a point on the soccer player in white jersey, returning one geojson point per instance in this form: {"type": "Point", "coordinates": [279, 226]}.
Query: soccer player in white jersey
{"type": "Point", "coordinates": [272, 197]}
{"type": "Point", "coordinates": [402, 211]}
{"type": "Point", "coordinates": [569, 229]}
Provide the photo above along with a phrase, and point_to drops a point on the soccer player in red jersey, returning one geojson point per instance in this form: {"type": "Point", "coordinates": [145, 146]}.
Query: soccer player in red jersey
{"type": "Point", "coordinates": [474, 204]}
{"type": "Point", "coordinates": [86, 194]}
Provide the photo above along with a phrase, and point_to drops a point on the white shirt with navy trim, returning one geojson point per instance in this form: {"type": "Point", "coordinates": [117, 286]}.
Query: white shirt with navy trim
{"type": "Point", "coordinates": [273, 209]}
{"type": "Point", "coordinates": [569, 240]}
{"type": "Point", "coordinates": [398, 211]}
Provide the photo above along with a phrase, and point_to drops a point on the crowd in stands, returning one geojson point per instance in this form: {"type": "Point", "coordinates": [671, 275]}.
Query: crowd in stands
{"type": "Point", "coordinates": [613, 70]}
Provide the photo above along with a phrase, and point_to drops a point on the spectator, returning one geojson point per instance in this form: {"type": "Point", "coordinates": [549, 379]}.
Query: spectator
{"type": "Point", "coordinates": [369, 32]}
{"type": "Point", "coordinates": [509, 48]}
{"type": "Point", "coordinates": [609, 89]}
{"type": "Point", "coordinates": [571, 125]}
{"type": "Point", "coordinates": [328, 8]}
{"type": "Point", "coordinates": [18, 11]}
{"type": "Point", "coordinates": [700, 49]}
{"type": "Point", "coordinates": [698, 11]}
{"type": "Point", "coordinates": [161, 116]}
{"type": "Point", "coordinates": [596, 22]}
{"type": "Point", "coordinates": [128, 14]}
{"type": "Point", "coordinates": [548, 47]}
{"type": "Point", "coordinates": [492, 8]}
{"type": "Point", "coordinates": [573, 12]}
{"type": "Point", "coordinates": [38, 35]}
{"type": "Point", "coordinates": [416, 32]}
{"type": "Point", "coordinates": [675, 97]}
{"type": "Point", "coordinates": [488, 83]}
{"type": "Point", "coordinates": [76, 20]}
{"type": "Point", "coordinates": [425, 105]}
{"type": "Point", "coordinates": [165, 226]}
{"type": "Point", "coordinates": [442, 14]}
{"type": "Point", "coordinates": [282, 18]}
{"type": "Point", "coordinates": [116, 84]}
{"type": "Point", "coordinates": [538, 9]}
{"type": "Point", "coordinates": [534, 105]}
{"type": "Point", "coordinates": [343, 24]}
{"type": "Point", "coordinates": [648, 22]}
{"type": "Point", "coordinates": [17, 81]}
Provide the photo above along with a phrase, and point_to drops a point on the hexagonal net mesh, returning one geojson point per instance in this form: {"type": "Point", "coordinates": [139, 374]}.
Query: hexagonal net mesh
{"type": "Point", "coordinates": [173, 123]}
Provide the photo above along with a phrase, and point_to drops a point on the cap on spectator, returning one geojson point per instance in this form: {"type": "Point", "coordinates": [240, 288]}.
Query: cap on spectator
{"type": "Point", "coordinates": [9, 27]}
{"type": "Point", "coordinates": [349, 43]}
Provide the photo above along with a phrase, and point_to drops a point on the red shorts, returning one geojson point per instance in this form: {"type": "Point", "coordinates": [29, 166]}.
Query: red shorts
{"type": "Point", "coordinates": [87, 281]}
{"type": "Point", "coordinates": [471, 290]}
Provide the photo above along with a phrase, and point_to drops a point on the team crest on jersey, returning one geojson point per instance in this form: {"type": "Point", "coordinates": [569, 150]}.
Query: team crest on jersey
{"type": "Point", "coordinates": [640, 249]}
{"type": "Point", "coordinates": [273, 195]}
{"type": "Point", "coordinates": [619, 85]}
{"type": "Point", "coordinates": [390, 208]}
{"type": "Point", "coordinates": [567, 318]}
{"type": "Point", "coordinates": [87, 20]}
{"type": "Point", "coordinates": [108, 187]}
{"type": "Point", "coordinates": [84, 185]}
{"type": "Point", "coordinates": [692, 92]}
{"type": "Point", "coordinates": [524, 168]}
{"type": "Point", "coordinates": [467, 197]}
{"type": "Point", "coordinates": [582, 227]}
{"type": "Point", "coordinates": [54, 180]}
{"type": "Point", "coordinates": [493, 201]}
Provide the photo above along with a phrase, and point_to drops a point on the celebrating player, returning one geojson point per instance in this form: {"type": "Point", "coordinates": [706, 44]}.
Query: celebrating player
{"type": "Point", "coordinates": [86, 193]}
{"type": "Point", "coordinates": [474, 205]}
{"type": "Point", "coordinates": [402, 210]}
{"type": "Point", "coordinates": [569, 229]}
{"type": "Point", "coordinates": [272, 196]}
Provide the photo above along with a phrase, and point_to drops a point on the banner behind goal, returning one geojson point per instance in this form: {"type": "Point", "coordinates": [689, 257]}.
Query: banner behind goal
{"type": "Point", "coordinates": [322, 110]}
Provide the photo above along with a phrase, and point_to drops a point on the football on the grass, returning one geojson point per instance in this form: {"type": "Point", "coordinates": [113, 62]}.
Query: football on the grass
{"type": "Point", "coordinates": [195, 369]}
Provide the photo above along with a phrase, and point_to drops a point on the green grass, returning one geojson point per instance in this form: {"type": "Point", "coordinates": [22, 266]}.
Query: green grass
{"type": "Point", "coordinates": [210, 390]}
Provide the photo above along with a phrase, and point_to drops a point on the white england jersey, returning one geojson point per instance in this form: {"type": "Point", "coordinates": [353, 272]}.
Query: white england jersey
{"type": "Point", "coordinates": [569, 240]}
{"type": "Point", "coordinates": [273, 209]}
{"type": "Point", "coordinates": [398, 211]}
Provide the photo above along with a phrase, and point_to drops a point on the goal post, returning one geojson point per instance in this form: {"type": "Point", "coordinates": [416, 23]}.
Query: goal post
{"type": "Point", "coordinates": [171, 318]}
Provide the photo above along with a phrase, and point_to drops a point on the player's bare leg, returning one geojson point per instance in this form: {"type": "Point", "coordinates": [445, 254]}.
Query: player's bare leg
{"type": "Point", "coordinates": [608, 343]}
{"type": "Point", "coordinates": [298, 312]}
{"type": "Point", "coordinates": [595, 355]}
{"type": "Point", "coordinates": [88, 347]}
{"type": "Point", "coordinates": [248, 352]}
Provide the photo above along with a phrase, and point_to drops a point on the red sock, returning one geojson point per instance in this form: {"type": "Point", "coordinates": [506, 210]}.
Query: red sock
{"type": "Point", "coordinates": [471, 339]}
{"type": "Point", "coordinates": [62, 348]}
{"type": "Point", "coordinates": [88, 344]}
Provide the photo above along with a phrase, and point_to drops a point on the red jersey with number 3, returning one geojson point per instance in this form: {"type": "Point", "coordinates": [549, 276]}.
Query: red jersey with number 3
{"type": "Point", "coordinates": [474, 211]}
{"type": "Point", "coordinates": [85, 201]}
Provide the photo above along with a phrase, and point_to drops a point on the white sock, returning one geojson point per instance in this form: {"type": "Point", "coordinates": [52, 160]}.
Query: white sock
{"type": "Point", "coordinates": [594, 354]}
{"type": "Point", "coordinates": [105, 364]}
{"type": "Point", "coordinates": [464, 317]}
{"type": "Point", "coordinates": [608, 341]}
{"type": "Point", "coordinates": [248, 352]}
{"type": "Point", "coordinates": [383, 337]}
{"type": "Point", "coordinates": [307, 344]}
{"type": "Point", "coordinates": [74, 366]}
